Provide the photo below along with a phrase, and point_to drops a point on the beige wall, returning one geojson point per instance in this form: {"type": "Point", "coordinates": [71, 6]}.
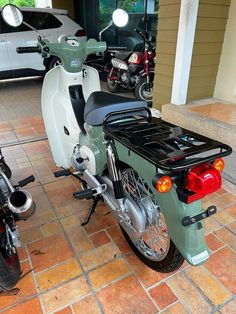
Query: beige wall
{"type": "Point", "coordinates": [168, 21]}
{"type": "Point", "coordinates": [226, 79]}
{"type": "Point", "coordinates": [64, 4]}
{"type": "Point", "coordinates": [208, 42]}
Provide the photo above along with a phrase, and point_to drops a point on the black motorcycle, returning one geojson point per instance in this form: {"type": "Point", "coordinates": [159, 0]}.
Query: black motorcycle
{"type": "Point", "coordinates": [15, 205]}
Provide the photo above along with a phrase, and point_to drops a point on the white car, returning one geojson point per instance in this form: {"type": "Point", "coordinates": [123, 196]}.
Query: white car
{"type": "Point", "coordinates": [51, 23]}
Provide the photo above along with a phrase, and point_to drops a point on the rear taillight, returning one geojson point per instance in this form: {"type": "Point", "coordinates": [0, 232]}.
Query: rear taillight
{"type": "Point", "coordinates": [202, 180]}
{"type": "Point", "coordinates": [80, 33]}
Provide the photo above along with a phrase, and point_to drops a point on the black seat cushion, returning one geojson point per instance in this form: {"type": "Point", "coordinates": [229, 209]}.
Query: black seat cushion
{"type": "Point", "coordinates": [122, 55]}
{"type": "Point", "coordinates": [100, 104]}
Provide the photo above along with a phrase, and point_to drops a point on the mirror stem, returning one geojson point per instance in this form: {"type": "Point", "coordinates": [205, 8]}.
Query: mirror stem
{"type": "Point", "coordinates": [103, 30]}
{"type": "Point", "coordinates": [31, 27]}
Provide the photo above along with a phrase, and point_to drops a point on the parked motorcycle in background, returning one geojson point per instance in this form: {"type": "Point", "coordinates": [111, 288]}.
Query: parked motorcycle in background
{"type": "Point", "coordinates": [15, 205]}
{"type": "Point", "coordinates": [151, 174]}
{"type": "Point", "coordinates": [134, 70]}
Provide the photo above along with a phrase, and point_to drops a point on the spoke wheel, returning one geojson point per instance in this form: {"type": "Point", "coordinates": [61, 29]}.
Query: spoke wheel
{"type": "Point", "coordinates": [113, 86]}
{"type": "Point", "coordinates": [155, 247]}
{"type": "Point", "coordinates": [141, 91]}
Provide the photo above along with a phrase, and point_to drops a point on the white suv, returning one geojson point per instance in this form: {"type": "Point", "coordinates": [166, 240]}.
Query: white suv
{"type": "Point", "coordinates": [51, 23]}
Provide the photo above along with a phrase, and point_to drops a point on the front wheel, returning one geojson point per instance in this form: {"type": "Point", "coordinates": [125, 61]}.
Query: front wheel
{"type": "Point", "coordinates": [113, 85]}
{"type": "Point", "coordinates": [141, 90]}
{"type": "Point", "coordinates": [154, 248]}
{"type": "Point", "coordinates": [10, 270]}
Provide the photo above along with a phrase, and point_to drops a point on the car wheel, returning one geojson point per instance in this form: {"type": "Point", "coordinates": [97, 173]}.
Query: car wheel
{"type": "Point", "coordinates": [53, 62]}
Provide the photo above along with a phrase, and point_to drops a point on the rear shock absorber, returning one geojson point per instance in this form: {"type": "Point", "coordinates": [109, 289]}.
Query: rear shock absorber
{"type": "Point", "coordinates": [115, 176]}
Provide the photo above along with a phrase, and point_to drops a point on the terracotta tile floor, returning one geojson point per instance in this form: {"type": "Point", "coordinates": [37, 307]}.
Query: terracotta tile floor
{"type": "Point", "coordinates": [89, 270]}
{"type": "Point", "coordinates": [92, 269]}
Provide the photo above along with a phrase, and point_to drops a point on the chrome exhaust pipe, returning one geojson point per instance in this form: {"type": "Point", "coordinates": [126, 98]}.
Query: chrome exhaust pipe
{"type": "Point", "coordinates": [19, 201]}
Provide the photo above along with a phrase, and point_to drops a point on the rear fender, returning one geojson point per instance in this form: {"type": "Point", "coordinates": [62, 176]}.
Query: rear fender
{"type": "Point", "coordinates": [189, 240]}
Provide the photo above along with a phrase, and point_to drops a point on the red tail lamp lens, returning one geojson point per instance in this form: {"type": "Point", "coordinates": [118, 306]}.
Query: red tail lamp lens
{"type": "Point", "coordinates": [203, 179]}
{"type": "Point", "coordinates": [219, 164]}
{"type": "Point", "coordinates": [164, 184]}
{"type": "Point", "coordinates": [80, 33]}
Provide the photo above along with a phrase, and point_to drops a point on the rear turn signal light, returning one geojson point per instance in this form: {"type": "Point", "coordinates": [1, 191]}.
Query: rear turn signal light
{"type": "Point", "coordinates": [164, 184]}
{"type": "Point", "coordinates": [80, 33]}
{"type": "Point", "coordinates": [219, 164]}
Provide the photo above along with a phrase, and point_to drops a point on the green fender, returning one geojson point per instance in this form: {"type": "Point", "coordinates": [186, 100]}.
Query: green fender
{"type": "Point", "coordinates": [189, 240]}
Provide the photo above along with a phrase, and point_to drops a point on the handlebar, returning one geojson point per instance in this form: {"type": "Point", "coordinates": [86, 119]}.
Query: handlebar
{"type": "Point", "coordinates": [30, 49]}
{"type": "Point", "coordinates": [138, 32]}
{"type": "Point", "coordinates": [116, 48]}
{"type": "Point", "coordinates": [69, 49]}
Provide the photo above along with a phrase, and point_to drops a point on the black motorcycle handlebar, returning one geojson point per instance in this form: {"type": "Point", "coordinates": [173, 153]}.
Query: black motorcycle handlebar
{"type": "Point", "coordinates": [116, 48]}
{"type": "Point", "coordinates": [31, 49]}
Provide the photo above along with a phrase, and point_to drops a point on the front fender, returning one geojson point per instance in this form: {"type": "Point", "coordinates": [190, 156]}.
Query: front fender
{"type": "Point", "coordinates": [189, 240]}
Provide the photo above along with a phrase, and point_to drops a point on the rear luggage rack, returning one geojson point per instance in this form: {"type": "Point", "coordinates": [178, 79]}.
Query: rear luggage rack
{"type": "Point", "coordinates": [165, 145]}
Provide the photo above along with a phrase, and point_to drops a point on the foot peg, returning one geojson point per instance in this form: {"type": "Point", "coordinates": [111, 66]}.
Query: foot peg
{"type": "Point", "coordinates": [90, 193]}
{"type": "Point", "coordinates": [62, 173]}
{"type": "Point", "coordinates": [84, 194]}
{"type": "Point", "coordinates": [26, 181]}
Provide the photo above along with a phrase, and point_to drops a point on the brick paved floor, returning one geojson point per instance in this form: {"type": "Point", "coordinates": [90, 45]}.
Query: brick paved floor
{"type": "Point", "coordinates": [92, 269]}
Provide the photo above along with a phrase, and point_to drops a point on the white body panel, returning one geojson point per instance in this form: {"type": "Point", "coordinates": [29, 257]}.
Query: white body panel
{"type": "Point", "coordinates": [58, 111]}
{"type": "Point", "coordinates": [5, 64]}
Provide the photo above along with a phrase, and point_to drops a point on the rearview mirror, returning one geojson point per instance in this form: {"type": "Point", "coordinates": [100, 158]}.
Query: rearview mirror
{"type": "Point", "coordinates": [12, 15]}
{"type": "Point", "coordinates": [120, 17]}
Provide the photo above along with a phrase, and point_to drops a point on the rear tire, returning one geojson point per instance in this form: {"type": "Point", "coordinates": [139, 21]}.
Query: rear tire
{"type": "Point", "coordinates": [10, 271]}
{"type": "Point", "coordinates": [171, 262]}
{"type": "Point", "coordinates": [154, 248]}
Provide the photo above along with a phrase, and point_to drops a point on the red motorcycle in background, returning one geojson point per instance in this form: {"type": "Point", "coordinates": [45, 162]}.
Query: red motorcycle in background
{"type": "Point", "coordinates": [133, 70]}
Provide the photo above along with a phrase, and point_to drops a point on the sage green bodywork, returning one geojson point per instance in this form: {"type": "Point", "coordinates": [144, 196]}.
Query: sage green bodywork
{"type": "Point", "coordinates": [72, 57]}
{"type": "Point", "coordinates": [189, 240]}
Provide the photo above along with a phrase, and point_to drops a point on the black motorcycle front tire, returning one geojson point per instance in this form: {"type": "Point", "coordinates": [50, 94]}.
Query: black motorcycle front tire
{"type": "Point", "coordinates": [9, 274]}
{"type": "Point", "coordinates": [139, 91]}
{"type": "Point", "coordinates": [113, 86]}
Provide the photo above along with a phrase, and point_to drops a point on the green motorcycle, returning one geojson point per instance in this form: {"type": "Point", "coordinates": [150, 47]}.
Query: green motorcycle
{"type": "Point", "coordinates": [151, 174]}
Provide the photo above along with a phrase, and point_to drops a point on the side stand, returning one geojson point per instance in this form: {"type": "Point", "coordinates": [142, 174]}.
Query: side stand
{"type": "Point", "coordinates": [91, 210]}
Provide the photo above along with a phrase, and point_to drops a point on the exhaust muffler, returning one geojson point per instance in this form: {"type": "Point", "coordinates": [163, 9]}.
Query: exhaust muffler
{"type": "Point", "coordinates": [18, 201]}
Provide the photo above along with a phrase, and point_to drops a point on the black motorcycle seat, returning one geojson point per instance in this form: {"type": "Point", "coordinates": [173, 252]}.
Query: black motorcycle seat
{"type": "Point", "coordinates": [100, 104]}
{"type": "Point", "coordinates": [122, 55]}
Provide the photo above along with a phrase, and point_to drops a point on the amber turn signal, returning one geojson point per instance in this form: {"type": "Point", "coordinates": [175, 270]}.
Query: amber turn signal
{"type": "Point", "coordinates": [219, 164]}
{"type": "Point", "coordinates": [164, 184]}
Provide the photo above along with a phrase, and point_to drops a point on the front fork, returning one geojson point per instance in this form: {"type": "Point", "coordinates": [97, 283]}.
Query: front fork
{"type": "Point", "coordinates": [146, 58]}
{"type": "Point", "coordinates": [111, 75]}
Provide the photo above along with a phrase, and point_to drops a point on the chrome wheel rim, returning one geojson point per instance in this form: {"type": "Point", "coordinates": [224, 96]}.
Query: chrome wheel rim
{"type": "Point", "coordinates": [155, 241]}
{"type": "Point", "coordinates": [144, 93]}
